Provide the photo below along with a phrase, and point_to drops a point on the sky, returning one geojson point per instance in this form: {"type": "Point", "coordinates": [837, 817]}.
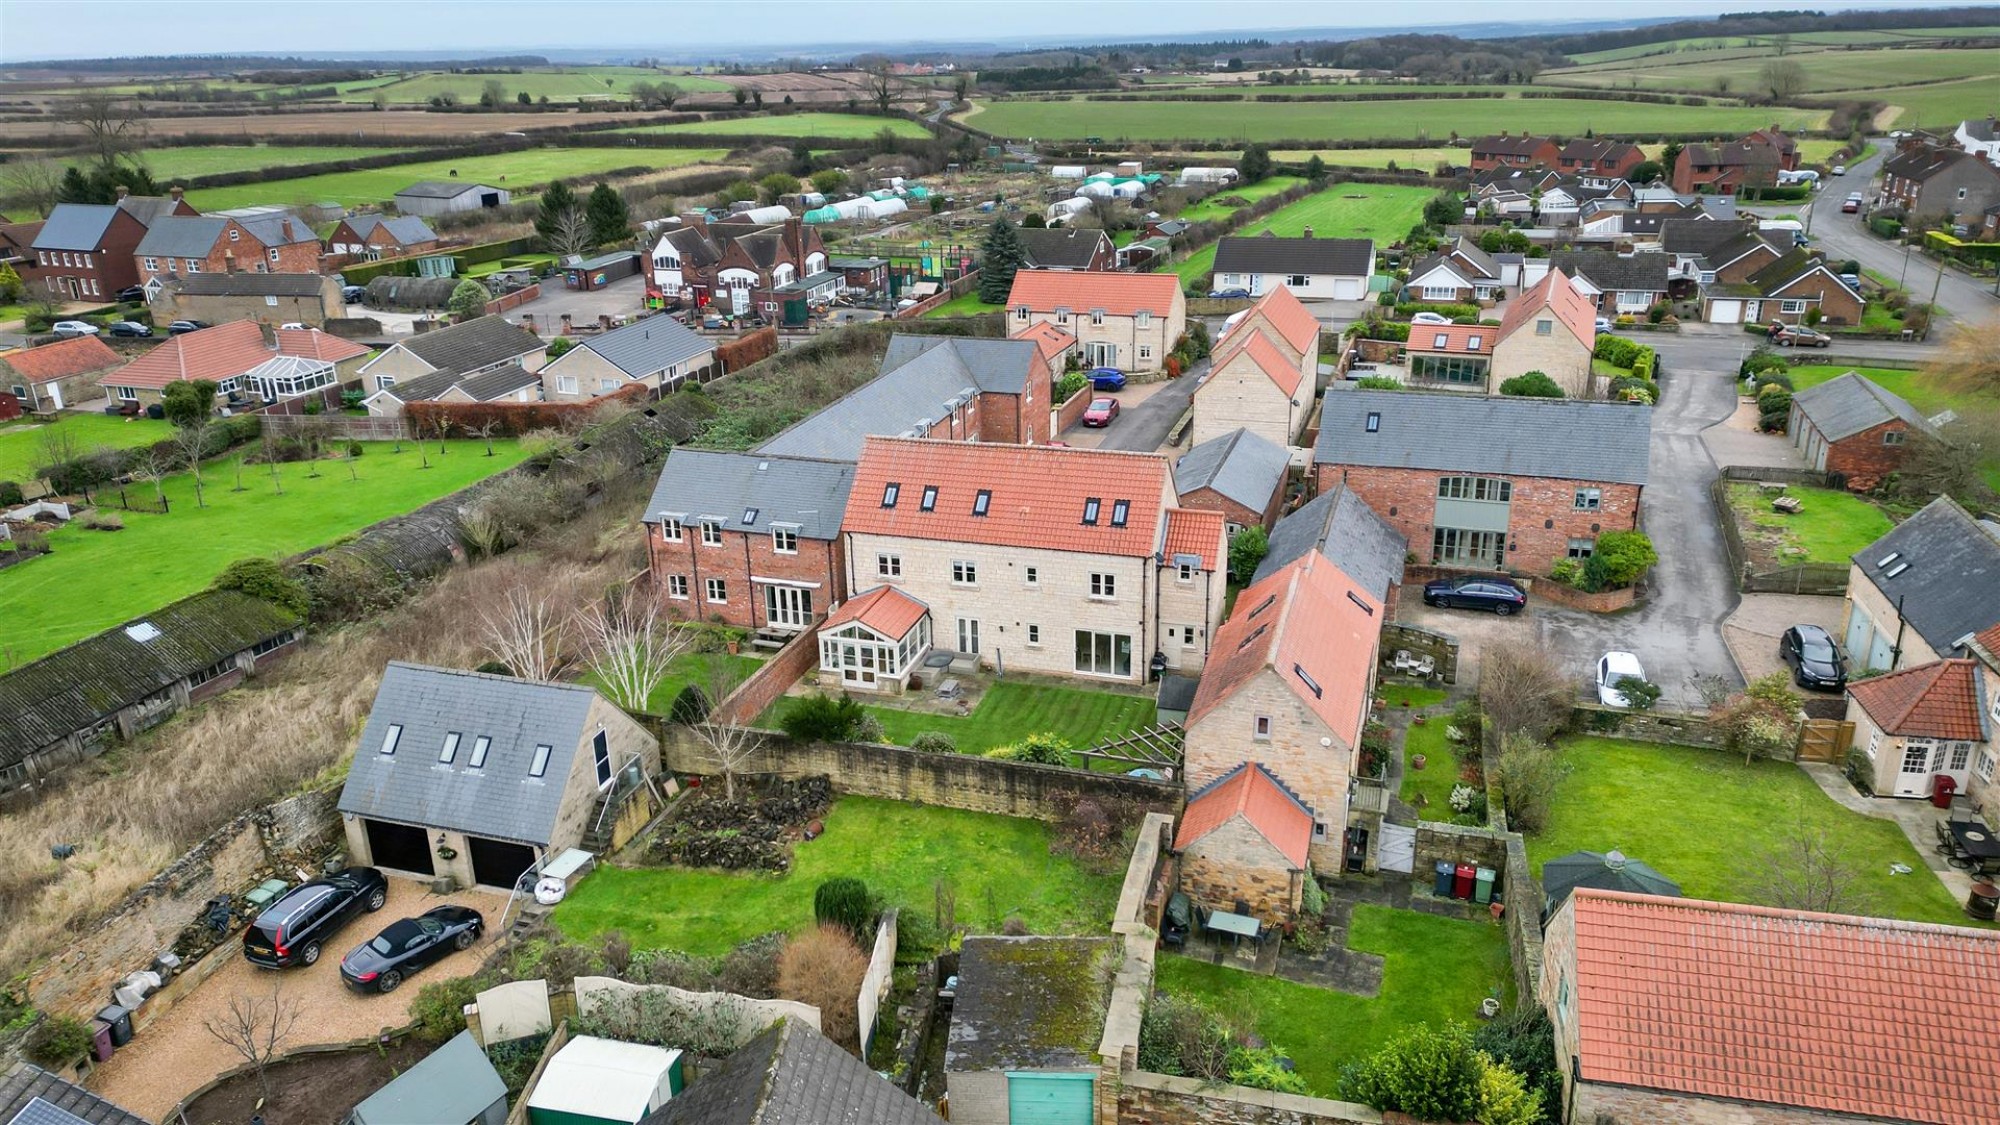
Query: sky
{"type": "Point", "coordinates": [46, 29]}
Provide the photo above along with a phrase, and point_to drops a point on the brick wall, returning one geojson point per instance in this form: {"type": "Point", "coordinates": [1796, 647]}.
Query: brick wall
{"type": "Point", "coordinates": [1071, 411]}
{"type": "Point", "coordinates": [514, 300]}
{"type": "Point", "coordinates": [755, 695]}
{"type": "Point", "coordinates": [1602, 601]}
{"type": "Point", "coordinates": [1407, 498]}
{"type": "Point", "coordinates": [1209, 500]}
{"type": "Point", "coordinates": [740, 555]}
{"type": "Point", "coordinates": [1864, 459]}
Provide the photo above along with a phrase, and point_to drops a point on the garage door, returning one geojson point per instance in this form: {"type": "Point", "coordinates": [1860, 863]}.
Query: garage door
{"type": "Point", "coordinates": [1349, 289]}
{"type": "Point", "coordinates": [497, 863]}
{"type": "Point", "coordinates": [1049, 1099]}
{"type": "Point", "coordinates": [400, 846]}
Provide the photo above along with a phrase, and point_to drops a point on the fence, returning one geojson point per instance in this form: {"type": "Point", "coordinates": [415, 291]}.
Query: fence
{"type": "Point", "coordinates": [342, 427]}
{"type": "Point", "coordinates": [1798, 578]}
{"type": "Point", "coordinates": [952, 291]}
{"type": "Point", "coordinates": [514, 300]}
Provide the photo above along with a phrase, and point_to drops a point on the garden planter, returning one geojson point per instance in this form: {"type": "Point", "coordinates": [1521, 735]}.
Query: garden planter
{"type": "Point", "coordinates": [1417, 761]}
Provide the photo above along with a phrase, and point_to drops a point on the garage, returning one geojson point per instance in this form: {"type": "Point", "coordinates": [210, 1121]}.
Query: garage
{"type": "Point", "coordinates": [399, 846]}
{"type": "Point", "coordinates": [1350, 288]}
{"type": "Point", "coordinates": [498, 863]}
{"type": "Point", "coordinates": [1049, 1099]}
{"type": "Point", "coordinates": [1723, 310]}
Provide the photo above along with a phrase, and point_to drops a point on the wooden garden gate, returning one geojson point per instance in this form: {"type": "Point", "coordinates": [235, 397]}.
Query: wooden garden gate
{"type": "Point", "coordinates": [1825, 740]}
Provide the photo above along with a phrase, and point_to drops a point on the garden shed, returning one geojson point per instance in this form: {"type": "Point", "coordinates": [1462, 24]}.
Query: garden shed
{"type": "Point", "coordinates": [594, 1081]}
{"type": "Point", "coordinates": [453, 1085]}
{"type": "Point", "coordinates": [1025, 1028]}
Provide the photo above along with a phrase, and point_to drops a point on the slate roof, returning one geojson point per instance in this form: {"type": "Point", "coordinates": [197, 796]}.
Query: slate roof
{"type": "Point", "coordinates": [440, 189]}
{"type": "Point", "coordinates": [919, 375]}
{"type": "Point", "coordinates": [473, 343]}
{"type": "Point", "coordinates": [1195, 532]}
{"type": "Point", "coordinates": [456, 1082]}
{"type": "Point", "coordinates": [1029, 1003]}
{"type": "Point", "coordinates": [1922, 163]}
{"type": "Point", "coordinates": [692, 246]}
{"type": "Point", "coordinates": [62, 359]}
{"type": "Point", "coordinates": [1340, 525]}
{"type": "Point", "coordinates": [885, 609]}
{"type": "Point", "coordinates": [1339, 257]}
{"type": "Point", "coordinates": [1944, 566]}
{"type": "Point", "coordinates": [1071, 248]}
{"type": "Point", "coordinates": [1563, 439]}
{"type": "Point", "coordinates": [1942, 699]}
{"type": "Point", "coordinates": [1980, 130]}
{"type": "Point", "coordinates": [75, 687]}
{"type": "Point", "coordinates": [1735, 154]}
{"type": "Point", "coordinates": [1118, 294]}
{"type": "Point", "coordinates": [1245, 467]}
{"type": "Point", "coordinates": [645, 346]}
{"type": "Point", "coordinates": [1847, 405]}
{"type": "Point", "coordinates": [1808, 1011]}
{"type": "Point", "coordinates": [790, 1074]}
{"type": "Point", "coordinates": [76, 226]}
{"type": "Point", "coordinates": [182, 236]}
{"type": "Point", "coordinates": [1522, 145]}
{"type": "Point", "coordinates": [249, 284]}
{"type": "Point", "coordinates": [405, 229]}
{"type": "Point", "coordinates": [1255, 794]}
{"type": "Point", "coordinates": [149, 209]}
{"type": "Point", "coordinates": [805, 493]}
{"type": "Point", "coordinates": [25, 1084]}
{"type": "Point", "coordinates": [497, 800]}
{"type": "Point", "coordinates": [1643, 272]}
{"type": "Point", "coordinates": [1593, 151]}
{"type": "Point", "coordinates": [483, 387]}
{"type": "Point", "coordinates": [280, 228]}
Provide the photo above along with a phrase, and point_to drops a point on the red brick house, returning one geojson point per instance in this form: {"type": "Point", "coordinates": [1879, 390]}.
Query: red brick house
{"type": "Point", "coordinates": [737, 264]}
{"type": "Point", "coordinates": [56, 376]}
{"type": "Point", "coordinates": [1485, 483]}
{"type": "Point", "coordinates": [1790, 288]}
{"type": "Point", "coordinates": [1853, 427]}
{"type": "Point", "coordinates": [747, 538]}
{"type": "Point", "coordinates": [1595, 158]}
{"type": "Point", "coordinates": [1066, 248]}
{"type": "Point", "coordinates": [1506, 151]}
{"type": "Point", "coordinates": [181, 246]}
{"type": "Point", "coordinates": [1754, 161]}
{"type": "Point", "coordinates": [381, 236]}
{"type": "Point", "coordinates": [83, 251]}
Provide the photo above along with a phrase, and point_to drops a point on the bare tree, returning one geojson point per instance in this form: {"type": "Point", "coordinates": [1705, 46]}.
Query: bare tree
{"type": "Point", "coordinates": [271, 459]}
{"type": "Point", "coordinates": [191, 442]}
{"type": "Point", "coordinates": [256, 1027]}
{"type": "Point", "coordinates": [441, 427]}
{"type": "Point", "coordinates": [631, 649]}
{"type": "Point", "coordinates": [571, 233]}
{"type": "Point", "coordinates": [1524, 690]}
{"type": "Point", "coordinates": [486, 430]}
{"type": "Point", "coordinates": [526, 632]}
{"type": "Point", "coordinates": [111, 125]}
{"type": "Point", "coordinates": [1805, 870]}
{"type": "Point", "coordinates": [55, 447]}
{"type": "Point", "coordinates": [1948, 462]}
{"type": "Point", "coordinates": [723, 733]}
{"type": "Point", "coordinates": [882, 84]}
{"type": "Point", "coordinates": [31, 183]}
{"type": "Point", "coordinates": [1783, 77]}
{"type": "Point", "coordinates": [153, 465]}
{"type": "Point", "coordinates": [1970, 361]}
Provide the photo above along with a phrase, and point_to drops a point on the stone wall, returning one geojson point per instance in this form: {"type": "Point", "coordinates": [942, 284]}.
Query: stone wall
{"type": "Point", "coordinates": [1677, 728]}
{"type": "Point", "coordinates": [1523, 919]}
{"type": "Point", "coordinates": [1456, 844]}
{"type": "Point", "coordinates": [1442, 648]}
{"type": "Point", "coordinates": [1159, 1099]}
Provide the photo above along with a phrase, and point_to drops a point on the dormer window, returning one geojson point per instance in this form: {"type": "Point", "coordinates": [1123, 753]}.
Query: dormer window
{"type": "Point", "coordinates": [889, 493]}
{"type": "Point", "coordinates": [540, 766]}
{"type": "Point", "coordinates": [1090, 507]}
{"type": "Point", "coordinates": [929, 503]}
{"type": "Point", "coordinates": [982, 502]}
{"type": "Point", "coordinates": [391, 738]}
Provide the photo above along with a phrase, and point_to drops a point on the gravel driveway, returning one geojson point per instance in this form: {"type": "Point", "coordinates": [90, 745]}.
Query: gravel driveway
{"type": "Point", "coordinates": [176, 1054]}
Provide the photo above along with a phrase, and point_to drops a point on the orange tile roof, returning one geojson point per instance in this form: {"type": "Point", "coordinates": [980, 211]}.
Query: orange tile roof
{"type": "Point", "coordinates": [1283, 312]}
{"type": "Point", "coordinates": [62, 359]}
{"type": "Point", "coordinates": [1308, 617]}
{"type": "Point", "coordinates": [312, 343]}
{"type": "Point", "coordinates": [1841, 1014]}
{"type": "Point", "coordinates": [1265, 355]}
{"type": "Point", "coordinates": [885, 609]}
{"type": "Point", "coordinates": [1251, 792]}
{"type": "Point", "coordinates": [1556, 294]}
{"type": "Point", "coordinates": [1049, 340]}
{"type": "Point", "coordinates": [1936, 700]}
{"type": "Point", "coordinates": [1458, 338]}
{"type": "Point", "coordinates": [1195, 531]}
{"type": "Point", "coordinates": [1989, 640]}
{"type": "Point", "coordinates": [1038, 495]}
{"type": "Point", "coordinates": [1118, 294]}
{"type": "Point", "coordinates": [224, 351]}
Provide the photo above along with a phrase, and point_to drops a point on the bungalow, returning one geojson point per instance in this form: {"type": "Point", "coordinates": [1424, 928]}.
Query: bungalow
{"type": "Point", "coordinates": [179, 245]}
{"type": "Point", "coordinates": [1021, 1048]}
{"type": "Point", "coordinates": [1979, 137]}
{"type": "Point", "coordinates": [1239, 474]}
{"type": "Point", "coordinates": [1618, 284]}
{"type": "Point", "coordinates": [1263, 373]}
{"type": "Point", "coordinates": [1340, 525]}
{"type": "Point", "coordinates": [1065, 248]}
{"type": "Point", "coordinates": [1923, 723]}
{"type": "Point", "coordinates": [1855, 428]}
{"type": "Point", "coordinates": [1675, 1009]}
{"type": "Point", "coordinates": [483, 778]}
{"type": "Point", "coordinates": [1939, 182]}
{"type": "Point", "coordinates": [508, 383]}
{"type": "Point", "coordinates": [1793, 288]}
{"type": "Point", "coordinates": [1548, 328]}
{"type": "Point", "coordinates": [1313, 269]}
{"type": "Point", "coordinates": [381, 236]}
{"type": "Point", "coordinates": [1921, 592]}
{"type": "Point", "coordinates": [1505, 151]}
{"type": "Point", "coordinates": [433, 197]}
{"type": "Point", "coordinates": [791, 1073]}
{"type": "Point", "coordinates": [1460, 274]}
{"type": "Point", "coordinates": [56, 376]}
{"type": "Point", "coordinates": [234, 357]}
{"type": "Point", "coordinates": [472, 347]}
{"type": "Point", "coordinates": [1754, 161]}
{"type": "Point", "coordinates": [658, 352]}
{"type": "Point", "coordinates": [1128, 321]}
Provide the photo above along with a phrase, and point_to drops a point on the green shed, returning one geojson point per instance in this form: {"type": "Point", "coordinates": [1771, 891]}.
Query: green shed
{"type": "Point", "coordinates": [595, 1081]}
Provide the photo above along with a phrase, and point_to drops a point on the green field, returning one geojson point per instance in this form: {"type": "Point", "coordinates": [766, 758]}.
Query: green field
{"type": "Point", "coordinates": [1334, 121]}
{"type": "Point", "coordinates": [1382, 212]}
{"type": "Point", "coordinates": [96, 579]}
{"type": "Point", "coordinates": [1940, 104]}
{"type": "Point", "coordinates": [207, 160]}
{"type": "Point", "coordinates": [1825, 71]}
{"type": "Point", "coordinates": [844, 126]}
{"type": "Point", "coordinates": [519, 172]}
{"type": "Point", "coordinates": [967, 305]}
{"type": "Point", "coordinates": [1214, 206]}
{"type": "Point", "coordinates": [20, 445]}
{"type": "Point", "coordinates": [563, 84]}
{"type": "Point", "coordinates": [1811, 151]}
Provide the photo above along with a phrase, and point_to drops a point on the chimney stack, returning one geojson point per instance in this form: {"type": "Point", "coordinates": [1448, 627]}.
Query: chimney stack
{"type": "Point", "coordinates": [123, 191]}
{"type": "Point", "coordinates": [289, 236]}
{"type": "Point", "coordinates": [229, 261]}
{"type": "Point", "coordinates": [175, 191]}
{"type": "Point", "coordinates": [1309, 232]}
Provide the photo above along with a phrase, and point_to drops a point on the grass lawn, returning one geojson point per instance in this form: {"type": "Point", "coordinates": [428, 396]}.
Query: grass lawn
{"type": "Point", "coordinates": [1436, 969]}
{"type": "Point", "coordinates": [967, 305]}
{"type": "Point", "coordinates": [1009, 712]}
{"type": "Point", "coordinates": [20, 445]}
{"type": "Point", "coordinates": [1382, 212]}
{"type": "Point", "coordinates": [204, 160]}
{"type": "Point", "coordinates": [1400, 696]}
{"type": "Point", "coordinates": [519, 172]}
{"type": "Point", "coordinates": [1429, 789]}
{"type": "Point", "coordinates": [1702, 818]}
{"type": "Point", "coordinates": [1824, 70]}
{"type": "Point", "coordinates": [1920, 388]}
{"type": "Point", "coordinates": [1834, 525]}
{"type": "Point", "coordinates": [998, 866]}
{"type": "Point", "coordinates": [1876, 317]}
{"type": "Point", "coordinates": [96, 579]}
{"type": "Point", "coordinates": [695, 668]}
{"type": "Point", "coordinates": [1214, 206]}
{"type": "Point", "coordinates": [845, 126]}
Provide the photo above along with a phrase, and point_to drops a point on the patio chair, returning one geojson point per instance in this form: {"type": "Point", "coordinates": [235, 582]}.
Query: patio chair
{"type": "Point", "coordinates": [1403, 661]}
{"type": "Point", "coordinates": [1427, 667]}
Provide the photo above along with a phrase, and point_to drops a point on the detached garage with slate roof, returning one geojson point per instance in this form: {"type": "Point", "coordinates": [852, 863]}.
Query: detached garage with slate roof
{"type": "Point", "coordinates": [507, 772]}
{"type": "Point", "coordinates": [1851, 426]}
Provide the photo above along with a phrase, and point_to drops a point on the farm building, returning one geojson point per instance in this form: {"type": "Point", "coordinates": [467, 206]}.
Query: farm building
{"type": "Point", "coordinates": [437, 197]}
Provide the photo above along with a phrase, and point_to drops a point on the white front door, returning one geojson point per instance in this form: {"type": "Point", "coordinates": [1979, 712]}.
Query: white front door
{"type": "Point", "coordinates": [787, 607]}
{"type": "Point", "coordinates": [1921, 759]}
{"type": "Point", "coordinates": [968, 634]}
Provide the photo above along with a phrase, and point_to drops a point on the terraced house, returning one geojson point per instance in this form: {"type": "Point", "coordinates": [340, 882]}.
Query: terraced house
{"type": "Point", "coordinates": [184, 246]}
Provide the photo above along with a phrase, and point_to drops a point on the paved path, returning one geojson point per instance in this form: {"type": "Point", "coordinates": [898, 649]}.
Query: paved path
{"type": "Point", "coordinates": [1143, 429]}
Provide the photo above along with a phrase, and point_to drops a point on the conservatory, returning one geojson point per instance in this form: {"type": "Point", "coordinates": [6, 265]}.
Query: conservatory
{"type": "Point", "coordinates": [874, 640]}
{"type": "Point", "coordinates": [290, 376]}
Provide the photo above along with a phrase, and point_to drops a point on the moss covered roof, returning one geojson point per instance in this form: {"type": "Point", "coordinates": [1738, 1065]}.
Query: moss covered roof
{"type": "Point", "coordinates": [1029, 1002]}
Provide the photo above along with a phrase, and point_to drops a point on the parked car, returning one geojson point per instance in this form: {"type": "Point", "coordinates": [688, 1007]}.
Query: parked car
{"type": "Point", "coordinates": [131, 293]}
{"type": "Point", "coordinates": [1107, 379]}
{"type": "Point", "coordinates": [1611, 668]}
{"type": "Point", "coordinates": [1229, 293]}
{"type": "Point", "coordinates": [291, 930]}
{"type": "Point", "coordinates": [1838, 170]}
{"type": "Point", "coordinates": [1604, 324]}
{"type": "Point", "coordinates": [131, 328]}
{"type": "Point", "coordinates": [1477, 591]}
{"type": "Point", "coordinates": [1429, 318]}
{"type": "Point", "coordinates": [71, 329]}
{"type": "Point", "coordinates": [1813, 657]}
{"type": "Point", "coordinates": [1798, 336]}
{"type": "Point", "coordinates": [1852, 281]}
{"type": "Point", "coordinates": [352, 294]}
{"type": "Point", "coordinates": [385, 960]}
{"type": "Point", "coordinates": [1852, 204]}
{"type": "Point", "coordinates": [1100, 412]}
{"type": "Point", "coordinates": [179, 327]}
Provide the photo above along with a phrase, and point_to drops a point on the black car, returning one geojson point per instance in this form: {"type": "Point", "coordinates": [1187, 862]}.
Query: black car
{"type": "Point", "coordinates": [180, 326]}
{"type": "Point", "coordinates": [132, 293]}
{"type": "Point", "coordinates": [383, 961]}
{"type": "Point", "coordinates": [131, 328]}
{"type": "Point", "coordinates": [1814, 658]}
{"type": "Point", "coordinates": [291, 930]}
{"type": "Point", "coordinates": [1474, 591]}
{"type": "Point", "coordinates": [352, 294]}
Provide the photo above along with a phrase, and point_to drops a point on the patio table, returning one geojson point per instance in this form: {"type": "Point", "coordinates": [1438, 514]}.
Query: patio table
{"type": "Point", "coordinates": [1238, 926]}
{"type": "Point", "coordinates": [1977, 841]}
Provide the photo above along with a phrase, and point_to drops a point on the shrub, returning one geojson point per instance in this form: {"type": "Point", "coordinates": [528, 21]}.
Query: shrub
{"type": "Point", "coordinates": [1524, 1041]}
{"type": "Point", "coordinates": [1615, 350]}
{"type": "Point", "coordinates": [822, 718]}
{"type": "Point", "coordinates": [657, 1018]}
{"type": "Point", "coordinates": [869, 729]}
{"type": "Point", "coordinates": [356, 449]}
{"type": "Point", "coordinates": [934, 742]}
{"type": "Point", "coordinates": [1180, 1037]}
{"type": "Point", "coordinates": [1046, 748]}
{"type": "Point", "coordinates": [824, 968]}
{"type": "Point", "coordinates": [1379, 383]}
{"type": "Point", "coordinates": [845, 902]}
{"type": "Point", "coordinates": [10, 493]}
{"type": "Point", "coordinates": [1504, 1098]}
{"type": "Point", "coordinates": [690, 706]}
{"type": "Point", "coordinates": [1528, 773]}
{"type": "Point", "coordinates": [58, 1041]}
{"type": "Point", "coordinates": [1312, 896]}
{"type": "Point", "coordinates": [439, 1009]}
{"type": "Point", "coordinates": [1625, 556]}
{"type": "Point", "coordinates": [1428, 1072]}
{"type": "Point", "coordinates": [1657, 313]}
{"type": "Point", "coordinates": [751, 969]}
{"type": "Point", "coordinates": [1247, 549]}
{"type": "Point", "coordinates": [1569, 572]}
{"type": "Point", "coordinates": [1533, 384]}
{"type": "Point", "coordinates": [1640, 694]}
{"type": "Point", "coordinates": [560, 346]}
{"type": "Point", "coordinates": [1773, 378]}
{"type": "Point", "coordinates": [494, 668]}
{"type": "Point", "coordinates": [1069, 385]}
{"type": "Point", "coordinates": [266, 579]}
{"type": "Point", "coordinates": [1262, 1068]}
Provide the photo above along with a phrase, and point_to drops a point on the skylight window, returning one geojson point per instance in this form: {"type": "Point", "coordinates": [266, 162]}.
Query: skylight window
{"type": "Point", "coordinates": [930, 499]}
{"type": "Point", "coordinates": [450, 750]}
{"type": "Point", "coordinates": [480, 746]}
{"type": "Point", "coordinates": [540, 766]}
{"type": "Point", "coordinates": [749, 517]}
{"type": "Point", "coordinates": [1254, 634]}
{"type": "Point", "coordinates": [1374, 421]}
{"type": "Point", "coordinates": [982, 502]}
{"type": "Point", "coordinates": [1090, 506]}
{"type": "Point", "coordinates": [1121, 511]}
{"type": "Point", "coordinates": [1264, 605]}
{"type": "Point", "coordinates": [392, 737]}
{"type": "Point", "coordinates": [1895, 570]}
{"type": "Point", "coordinates": [889, 493]}
{"type": "Point", "coordinates": [1365, 607]}
{"type": "Point", "coordinates": [1312, 685]}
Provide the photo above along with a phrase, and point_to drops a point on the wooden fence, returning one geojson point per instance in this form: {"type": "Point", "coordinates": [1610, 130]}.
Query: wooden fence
{"type": "Point", "coordinates": [1799, 578]}
{"type": "Point", "coordinates": [344, 427]}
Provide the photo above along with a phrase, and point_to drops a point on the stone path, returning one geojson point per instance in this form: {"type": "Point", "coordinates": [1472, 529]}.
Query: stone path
{"type": "Point", "coordinates": [1915, 818]}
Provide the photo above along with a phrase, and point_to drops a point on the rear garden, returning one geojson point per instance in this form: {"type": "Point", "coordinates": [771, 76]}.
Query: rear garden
{"type": "Point", "coordinates": [1383, 212]}
{"type": "Point", "coordinates": [1829, 527]}
{"type": "Point", "coordinates": [27, 444]}
{"type": "Point", "coordinates": [1008, 712]}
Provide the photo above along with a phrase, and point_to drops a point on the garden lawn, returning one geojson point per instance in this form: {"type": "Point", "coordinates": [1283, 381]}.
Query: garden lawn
{"type": "Point", "coordinates": [1383, 212]}
{"type": "Point", "coordinates": [1435, 970]}
{"type": "Point", "coordinates": [1702, 818]}
{"type": "Point", "coordinates": [96, 579]}
{"type": "Point", "coordinates": [518, 172]}
{"type": "Point", "coordinates": [844, 126]}
{"type": "Point", "coordinates": [1410, 696]}
{"type": "Point", "coordinates": [1428, 790]}
{"type": "Point", "coordinates": [20, 445]}
{"type": "Point", "coordinates": [968, 304]}
{"type": "Point", "coordinates": [998, 865]}
{"type": "Point", "coordinates": [1834, 525]}
{"type": "Point", "coordinates": [1920, 389]}
{"type": "Point", "coordinates": [694, 668]}
{"type": "Point", "coordinates": [207, 160]}
{"type": "Point", "coordinates": [1214, 208]}
{"type": "Point", "coordinates": [1009, 712]}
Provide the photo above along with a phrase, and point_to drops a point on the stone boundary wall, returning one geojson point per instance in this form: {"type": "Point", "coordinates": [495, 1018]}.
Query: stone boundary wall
{"type": "Point", "coordinates": [595, 992]}
{"type": "Point", "coordinates": [1440, 647]}
{"type": "Point", "coordinates": [1675, 728]}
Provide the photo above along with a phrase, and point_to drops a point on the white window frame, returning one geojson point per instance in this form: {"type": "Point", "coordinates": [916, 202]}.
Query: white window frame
{"type": "Point", "coordinates": [1034, 635]}
{"type": "Point", "coordinates": [1097, 318]}
{"type": "Point", "coordinates": [785, 540]}
{"type": "Point", "coordinates": [711, 533]}
{"type": "Point", "coordinates": [1033, 576]}
{"type": "Point", "coordinates": [889, 566]}
{"type": "Point", "coordinates": [566, 385]}
{"type": "Point", "coordinates": [964, 572]}
{"type": "Point", "coordinates": [677, 587]}
{"type": "Point", "coordinates": [717, 591]}
{"type": "Point", "coordinates": [671, 530]}
{"type": "Point", "coordinates": [1183, 573]}
{"type": "Point", "coordinates": [1791, 307]}
{"type": "Point", "coordinates": [1103, 586]}
{"type": "Point", "coordinates": [1260, 728]}
{"type": "Point", "coordinates": [1589, 499]}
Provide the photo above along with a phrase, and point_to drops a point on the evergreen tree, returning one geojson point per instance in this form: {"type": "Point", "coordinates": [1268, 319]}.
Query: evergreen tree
{"type": "Point", "coordinates": [999, 260]}
{"type": "Point", "coordinates": [1255, 165]}
{"type": "Point", "coordinates": [557, 201]}
{"type": "Point", "coordinates": [468, 299]}
{"type": "Point", "coordinates": [1315, 170]}
{"type": "Point", "coordinates": [802, 157]}
{"type": "Point", "coordinates": [610, 220]}
{"type": "Point", "coordinates": [75, 187]}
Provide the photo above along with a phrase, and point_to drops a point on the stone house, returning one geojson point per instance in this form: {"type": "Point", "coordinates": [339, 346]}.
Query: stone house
{"type": "Point", "coordinates": [1514, 484]}
{"type": "Point", "coordinates": [1551, 328]}
{"type": "Point", "coordinates": [240, 358]}
{"type": "Point", "coordinates": [1239, 474]}
{"type": "Point", "coordinates": [269, 298]}
{"type": "Point", "coordinates": [1125, 320]}
{"type": "Point", "coordinates": [1066, 248]}
{"type": "Point", "coordinates": [1243, 838]}
{"type": "Point", "coordinates": [1940, 182]}
{"type": "Point", "coordinates": [471, 347]}
{"type": "Point", "coordinates": [1338, 524]}
{"type": "Point", "coordinates": [1192, 587]}
{"type": "Point", "coordinates": [1754, 161]}
{"type": "Point", "coordinates": [484, 778]}
{"type": "Point", "coordinates": [56, 376]}
{"type": "Point", "coordinates": [1025, 1026]}
{"type": "Point", "coordinates": [1984, 787]}
{"type": "Point", "coordinates": [1855, 428]}
{"type": "Point", "coordinates": [1506, 151]}
{"type": "Point", "coordinates": [185, 246]}
{"type": "Point", "coordinates": [1263, 374]}
{"type": "Point", "coordinates": [750, 538]}
{"type": "Point", "coordinates": [1921, 592]}
{"type": "Point", "coordinates": [656, 351]}
{"type": "Point", "coordinates": [1712, 1013]}
{"type": "Point", "coordinates": [370, 237]}
{"type": "Point", "coordinates": [1922, 723]}
{"type": "Point", "coordinates": [1289, 689]}
{"type": "Point", "coordinates": [1324, 269]}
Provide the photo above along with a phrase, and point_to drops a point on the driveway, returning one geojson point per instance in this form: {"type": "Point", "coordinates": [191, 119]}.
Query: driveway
{"type": "Point", "coordinates": [1752, 631]}
{"type": "Point", "coordinates": [1142, 426]}
{"type": "Point", "coordinates": [176, 1054]}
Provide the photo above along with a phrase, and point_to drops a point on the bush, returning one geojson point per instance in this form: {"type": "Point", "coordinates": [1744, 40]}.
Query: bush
{"type": "Point", "coordinates": [1504, 1098]}
{"type": "Point", "coordinates": [1527, 773]}
{"type": "Point", "coordinates": [845, 902]}
{"type": "Point", "coordinates": [266, 579]}
{"type": "Point", "coordinates": [439, 1009]}
{"type": "Point", "coordinates": [1069, 385]}
{"type": "Point", "coordinates": [1635, 388]}
{"type": "Point", "coordinates": [356, 449]}
{"type": "Point", "coordinates": [1533, 384]}
{"type": "Point", "coordinates": [1428, 1072]}
{"type": "Point", "coordinates": [934, 742]}
{"type": "Point", "coordinates": [824, 968]}
{"type": "Point", "coordinates": [1524, 1041]}
{"type": "Point", "coordinates": [869, 729]}
{"type": "Point", "coordinates": [1046, 748]}
{"type": "Point", "coordinates": [1657, 313]}
{"type": "Point", "coordinates": [1407, 308]}
{"type": "Point", "coordinates": [1640, 694]}
{"type": "Point", "coordinates": [58, 1041]}
{"type": "Point", "coordinates": [1773, 378]}
{"type": "Point", "coordinates": [10, 493]}
{"type": "Point", "coordinates": [751, 969]}
{"type": "Point", "coordinates": [1569, 572]}
{"type": "Point", "coordinates": [1178, 1036]}
{"type": "Point", "coordinates": [1379, 383]}
{"type": "Point", "coordinates": [1262, 1068]}
{"type": "Point", "coordinates": [822, 718]}
{"type": "Point", "coordinates": [1625, 556]}
{"type": "Point", "coordinates": [1247, 549]}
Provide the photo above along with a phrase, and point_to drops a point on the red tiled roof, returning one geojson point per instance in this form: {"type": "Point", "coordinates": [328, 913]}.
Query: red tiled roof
{"type": "Point", "coordinates": [62, 359]}
{"type": "Point", "coordinates": [314, 344]}
{"type": "Point", "coordinates": [1118, 294]}
{"type": "Point", "coordinates": [223, 352]}
{"type": "Point", "coordinates": [1989, 640]}
{"type": "Point", "coordinates": [1817, 1011]}
{"type": "Point", "coordinates": [1556, 294]}
{"type": "Point", "coordinates": [1308, 617]}
{"type": "Point", "coordinates": [1251, 792]}
{"type": "Point", "coordinates": [1038, 495]}
{"type": "Point", "coordinates": [1049, 340]}
{"type": "Point", "coordinates": [1272, 362]}
{"type": "Point", "coordinates": [1935, 700]}
{"type": "Point", "coordinates": [1458, 338]}
{"type": "Point", "coordinates": [1195, 531]}
{"type": "Point", "coordinates": [1283, 312]}
{"type": "Point", "coordinates": [885, 609]}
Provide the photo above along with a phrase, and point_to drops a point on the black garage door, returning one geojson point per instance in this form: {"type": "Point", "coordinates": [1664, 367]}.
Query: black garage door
{"type": "Point", "coordinates": [400, 846]}
{"type": "Point", "coordinates": [497, 863]}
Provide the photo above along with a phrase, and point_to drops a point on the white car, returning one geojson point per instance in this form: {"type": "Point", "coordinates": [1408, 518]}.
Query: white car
{"type": "Point", "coordinates": [1611, 668]}
{"type": "Point", "coordinates": [1429, 318]}
{"type": "Point", "coordinates": [1604, 324]}
{"type": "Point", "coordinates": [71, 329]}
{"type": "Point", "coordinates": [1839, 170]}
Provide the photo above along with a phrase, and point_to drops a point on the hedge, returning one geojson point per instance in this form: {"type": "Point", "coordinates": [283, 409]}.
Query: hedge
{"type": "Point", "coordinates": [511, 419]}
{"type": "Point", "coordinates": [1409, 308]}
{"type": "Point", "coordinates": [741, 353]}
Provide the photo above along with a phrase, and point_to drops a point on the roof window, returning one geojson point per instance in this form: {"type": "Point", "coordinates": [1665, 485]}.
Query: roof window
{"type": "Point", "coordinates": [1090, 507]}
{"type": "Point", "coordinates": [982, 502]}
{"type": "Point", "coordinates": [392, 737]}
{"type": "Point", "coordinates": [1374, 421]}
{"type": "Point", "coordinates": [1254, 634]}
{"type": "Point", "coordinates": [1365, 607]}
{"type": "Point", "coordinates": [929, 503]}
{"type": "Point", "coordinates": [749, 516]}
{"type": "Point", "coordinates": [1264, 605]}
{"type": "Point", "coordinates": [1121, 512]}
{"type": "Point", "coordinates": [540, 766]}
{"type": "Point", "coordinates": [1312, 685]}
{"type": "Point", "coordinates": [480, 746]}
{"type": "Point", "coordinates": [450, 749]}
{"type": "Point", "coordinates": [889, 493]}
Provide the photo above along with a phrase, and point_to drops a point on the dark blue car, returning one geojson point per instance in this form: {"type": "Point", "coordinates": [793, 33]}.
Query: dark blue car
{"type": "Point", "coordinates": [1107, 379]}
{"type": "Point", "coordinates": [1477, 591]}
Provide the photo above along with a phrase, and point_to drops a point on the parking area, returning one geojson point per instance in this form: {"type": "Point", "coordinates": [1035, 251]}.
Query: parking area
{"type": "Point", "coordinates": [1130, 418]}
{"type": "Point", "coordinates": [1752, 631]}
{"type": "Point", "coordinates": [175, 1054]}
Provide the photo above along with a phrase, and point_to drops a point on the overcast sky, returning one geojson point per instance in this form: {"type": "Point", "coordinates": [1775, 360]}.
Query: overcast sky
{"type": "Point", "coordinates": [46, 29]}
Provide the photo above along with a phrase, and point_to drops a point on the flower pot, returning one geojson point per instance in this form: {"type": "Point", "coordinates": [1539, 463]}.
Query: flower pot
{"type": "Point", "coordinates": [732, 646]}
{"type": "Point", "coordinates": [1417, 761]}
{"type": "Point", "coordinates": [1418, 721]}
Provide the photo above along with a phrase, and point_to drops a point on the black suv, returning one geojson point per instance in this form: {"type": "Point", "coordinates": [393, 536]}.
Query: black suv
{"type": "Point", "coordinates": [290, 931]}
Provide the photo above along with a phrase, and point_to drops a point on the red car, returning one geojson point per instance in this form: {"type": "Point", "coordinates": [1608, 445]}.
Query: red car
{"type": "Point", "coordinates": [1101, 412]}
